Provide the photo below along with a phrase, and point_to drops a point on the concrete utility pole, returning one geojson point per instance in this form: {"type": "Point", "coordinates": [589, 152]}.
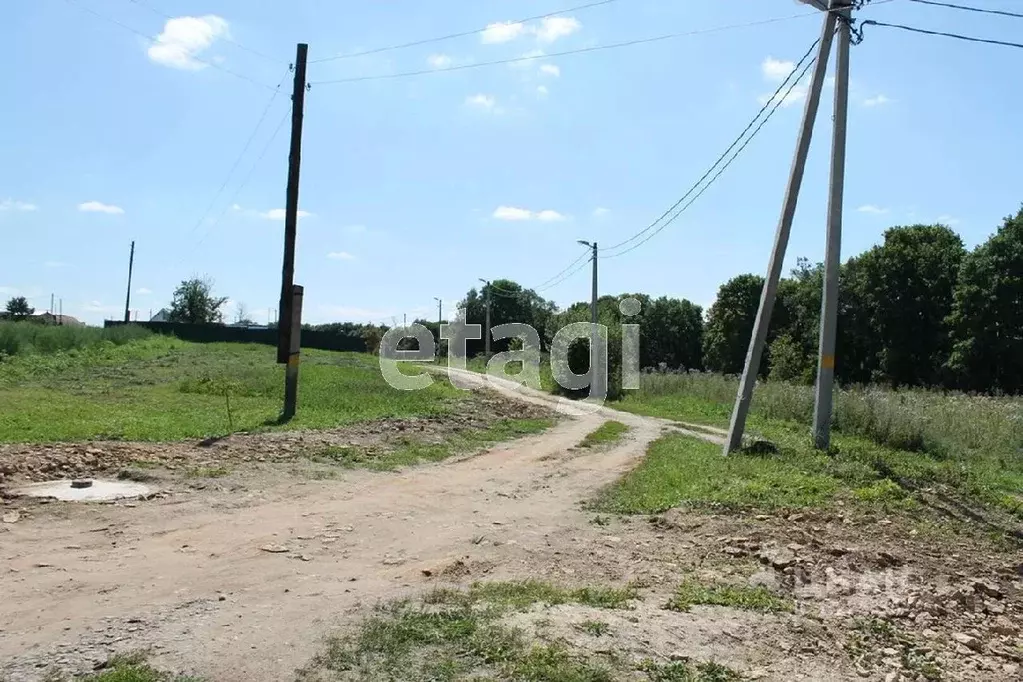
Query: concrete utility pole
{"type": "Point", "coordinates": [833, 250]}
{"type": "Point", "coordinates": [486, 331]}
{"type": "Point", "coordinates": [594, 355]}
{"type": "Point", "coordinates": [440, 312]}
{"type": "Point", "coordinates": [291, 208]}
{"type": "Point", "coordinates": [781, 239]}
{"type": "Point", "coordinates": [127, 299]}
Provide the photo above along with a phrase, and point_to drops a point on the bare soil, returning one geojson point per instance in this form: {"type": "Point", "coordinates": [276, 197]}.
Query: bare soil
{"type": "Point", "coordinates": [242, 579]}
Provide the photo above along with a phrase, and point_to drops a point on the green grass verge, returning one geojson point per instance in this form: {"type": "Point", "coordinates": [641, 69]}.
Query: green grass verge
{"type": "Point", "coordinates": [969, 445]}
{"type": "Point", "coordinates": [408, 451]}
{"type": "Point", "coordinates": [458, 635]}
{"type": "Point", "coordinates": [130, 668]}
{"type": "Point", "coordinates": [691, 593]}
{"type": "Point", "coordinates": [679, 470]}
{"type": "Point", "coordinates": [161, 388]}
{"type": "Point", "coordinates": [607, 433]}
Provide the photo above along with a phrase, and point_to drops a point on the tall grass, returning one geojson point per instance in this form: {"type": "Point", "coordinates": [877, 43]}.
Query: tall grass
{"type": "Point", "coordinates": [24, 338]}
{"type": "Point", "coordinates": [942, 424]}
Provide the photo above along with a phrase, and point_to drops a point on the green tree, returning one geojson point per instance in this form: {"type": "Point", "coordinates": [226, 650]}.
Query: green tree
{"type": "Point", "coordinates": [987, 314]}
{"type": "Point", "coordinates": [18, 308]}
{"type": "Point", "coordinates": [726, 334]}
{"type": "Point", "coordinates": [509, 302]}
{"type": "Point", "coordinates": [671, 331]}
{"type": "Point", "coordinates": [195, 303]}
{"type": "Point", "coordinates": [795, 323]}
{"type": "Point", "coordinates": [907, 286]}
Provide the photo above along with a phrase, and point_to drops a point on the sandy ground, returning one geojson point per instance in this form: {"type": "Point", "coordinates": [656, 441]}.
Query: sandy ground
{"type": "Point", "coordinates": [242, 582]}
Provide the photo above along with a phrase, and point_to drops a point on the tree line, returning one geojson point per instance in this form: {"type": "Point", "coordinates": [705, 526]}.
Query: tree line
{"type": "Point", "coordinates": [916, 310]}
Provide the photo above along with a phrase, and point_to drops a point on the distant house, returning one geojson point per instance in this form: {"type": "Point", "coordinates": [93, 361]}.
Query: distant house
{"type": "Point", "coordinates": [162, 316]}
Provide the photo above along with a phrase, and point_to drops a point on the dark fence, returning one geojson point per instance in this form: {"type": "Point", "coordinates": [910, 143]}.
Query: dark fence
{"type": "Point", "coordinates": [216, 333]}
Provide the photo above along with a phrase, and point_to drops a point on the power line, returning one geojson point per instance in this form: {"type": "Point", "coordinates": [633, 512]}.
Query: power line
{"type": "Point", "coordinates": [777, 105]}
{"type": "Point", "coordinates": [569, 275]}
{"type": "Point", "coordinates": [226, 39]}
{"type": "Point", "coordinates": [245, 181]}
{"type": "Point", "coordinates": [595, 48]}
{"type": "Point", "coordinates": [546, 284]}
{"type": "Point", "coordinates": [767, 105]}
{"type": "Point", "coordinates": [241, 155]}
{"type": "Point", "coordinates": [957, 36]}
{"type": "Point", "coordinates": [967, 8]}
{"type": "Point", "coordinates": [452, 36]}
{"type": "Point", "coordinates": [151, 39]}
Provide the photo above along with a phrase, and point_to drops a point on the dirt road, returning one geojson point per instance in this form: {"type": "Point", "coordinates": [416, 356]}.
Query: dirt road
{"type": "Point", "coordinates": [243, 579]}
{"type": "Point", "coordinates": [193, 577]}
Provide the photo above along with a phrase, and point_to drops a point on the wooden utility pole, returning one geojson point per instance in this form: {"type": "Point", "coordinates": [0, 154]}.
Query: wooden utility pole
{"type": "Point", "coordinates": [127, 298]}
{"type": "Point", "coordinates": [781, 239]}
{"type": "Point", "coordinates": [286, 323]}
{"type": "Point", "coordinates": [294, 353]}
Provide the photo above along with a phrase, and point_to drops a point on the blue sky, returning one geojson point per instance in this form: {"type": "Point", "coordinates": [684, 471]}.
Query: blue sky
{"type": "Point", "coordinates": [415, 187]}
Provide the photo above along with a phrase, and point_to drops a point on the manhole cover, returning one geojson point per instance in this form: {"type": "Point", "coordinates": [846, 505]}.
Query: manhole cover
{"type": "Point", "coordinates": [73, 491]}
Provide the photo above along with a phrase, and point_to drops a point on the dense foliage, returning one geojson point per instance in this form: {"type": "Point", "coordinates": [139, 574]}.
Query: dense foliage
{"type": "Point", "coordinates": [915, 310]}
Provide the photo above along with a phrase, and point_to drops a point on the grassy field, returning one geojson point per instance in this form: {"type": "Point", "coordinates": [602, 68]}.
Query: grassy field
{"type": "Point", "coordinates": [27, 338]}
{"type": "Point", "coordinates": [888, 446]}
{"type": "Point", "coordinates": [161, 388]}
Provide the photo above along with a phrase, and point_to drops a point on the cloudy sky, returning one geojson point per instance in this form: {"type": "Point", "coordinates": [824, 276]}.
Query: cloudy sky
{"type": "Point", "coordinates": [126, 120]}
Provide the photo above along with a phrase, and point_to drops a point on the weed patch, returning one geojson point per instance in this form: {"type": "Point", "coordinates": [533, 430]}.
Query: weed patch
{"type": "Point", "coordinates": [691, 593]}
{"type": "Point", "coordinates": [454, 635]}
{"type": "Point", "coordinates": [607, 433]}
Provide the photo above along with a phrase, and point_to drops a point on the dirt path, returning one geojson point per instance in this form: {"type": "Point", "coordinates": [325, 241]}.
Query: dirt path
{"type": "Point", "coordinates": [191, 577]}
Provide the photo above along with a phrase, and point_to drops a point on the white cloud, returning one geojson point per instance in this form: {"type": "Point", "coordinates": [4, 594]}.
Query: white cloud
{"type": "Point", "coordinates": [142, 291]}
{"type": "Point", "coordinates": [512, 213]}
{"type": "Point", "coordinates": [439, 61]}
{"type": "Point", "coordinates": [550, 70]}
{"type": "Point", "coordinates": [236, 207]}
{"type": "Point", "coordinates": [951, 221]}
{"type": "Point", "coordinates": [871, 208]}
{"type": "Point", "coordinates": [482, 102]}
{"type": "Point", "coordinates": [601, 212]}
{"type": "Point", "coordinates": [356, 229]}
{"type": "Point", "coordinates": [13, 205]}
{"type": "Point", "coordinates": [100, 207]}
{"type": "Point", "coordinates": [542, 91]}
{"type": "Point", "coordinates": [279, 214]}
{"type": "Point", "coordinates": [340, 255]}
{"type": "Point", "coordinates": [54, 264]}
{"type": "Point", "coordinates": [549, 216]}
{"type": "Point", "coordinates": [184, 38]}
{"type": "Point", "coordinates": [502, 32]}
{"type": "Point", "coordinates": [552, 28]}
{"type": "Point", "coordinates": [876, 101]}
{"type": "Point", "coordinates": [776, 69]}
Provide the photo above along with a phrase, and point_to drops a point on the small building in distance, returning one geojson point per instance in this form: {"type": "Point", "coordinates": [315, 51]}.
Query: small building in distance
{"type": "Point", "coordinates": [162, 316]}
